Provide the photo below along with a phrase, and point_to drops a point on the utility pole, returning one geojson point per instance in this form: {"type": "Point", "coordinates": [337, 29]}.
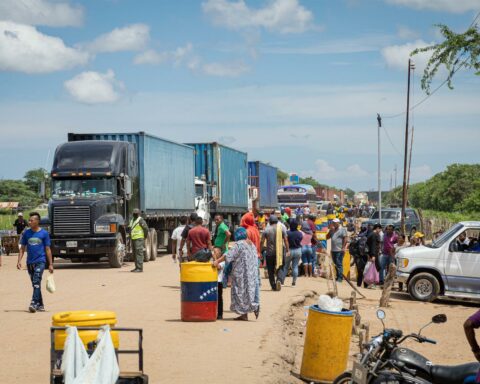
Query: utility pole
{"type": "Point", "coordinates": [395, 183]}
{"type": "Point", "coordinates": [405, 157]}
{"type": "Point", "coordinates": [379, 121]}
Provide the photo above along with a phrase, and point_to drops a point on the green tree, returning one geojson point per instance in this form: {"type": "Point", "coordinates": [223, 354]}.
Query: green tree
{"type": "Point", "coordinates": [310, 181]}
{"type": "Point", "coordinates": [34, 178]}
{"type": "Point", "coordinates": [350, 193]}
{"type": "Point", "coordinates": [456, 51]}
{"type": "Point", "coordinates": [281, 176]}
{"type": "Point", "coordinates": [17, 190]}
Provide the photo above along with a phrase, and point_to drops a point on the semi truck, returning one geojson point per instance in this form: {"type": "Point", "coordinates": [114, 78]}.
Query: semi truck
{"type": "Point", "coordinates": [97, 181]}
{"type": "Point", "coordinates": [262, 186]}
{"type": "Point", "coordinates": [224, 171]}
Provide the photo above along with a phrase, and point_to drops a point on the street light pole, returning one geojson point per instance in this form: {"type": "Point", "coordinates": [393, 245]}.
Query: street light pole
{"type": "Point", "coordinates": [379, 121]}
{"type": "Point", "coordinates": [404, 191]}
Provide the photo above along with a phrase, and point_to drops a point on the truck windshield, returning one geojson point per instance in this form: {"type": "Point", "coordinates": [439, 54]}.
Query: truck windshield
{"type": "Point", "coordinates": [84, 187]}
{"type": "Point", "coordinates": [445, 236]}
{"type": "Point", "coordinates": [198, 190]}
{"type": "Point", "coordinates": [387, 215]}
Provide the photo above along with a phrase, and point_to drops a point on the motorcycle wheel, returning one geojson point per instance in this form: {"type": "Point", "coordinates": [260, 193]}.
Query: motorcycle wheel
{"type": "Point", "coordinates": [344, 378]}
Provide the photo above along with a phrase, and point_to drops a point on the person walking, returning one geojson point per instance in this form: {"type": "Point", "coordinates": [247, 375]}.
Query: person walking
{"type": "Point", "coordinates": [177, 240]}
{"type": "Point", "coordinates": [244, 259]}
{"type": "Point", "coordinates": [360, 254]}
{"type": "Point", "coordinates": [20, 223]}
{"type": "Point", "coordinates": [373, 244]}
{"type": "Point", "coordinates": [222, 237]}
{"type": "Point", "coordinates": [138, 233]}
{"type": "Point", "coordinates": [253, 234]}
{"type": "Point", "coordinates": [275, 236]}
{"type": "Point", "coordinates": [190, 225]}
{"type": "Point", "coordinates": [295, 245]}
{"type": "Point", "coordinates": [390, 238]}
{"type": "Point", "coordinates": [198, 239]}
{"type": "Point", "coordinates": [338, 237]}
{"type": "Point", "coordinates": [36, 241]}
{"type": "Point", "coordinates": [307, 251]}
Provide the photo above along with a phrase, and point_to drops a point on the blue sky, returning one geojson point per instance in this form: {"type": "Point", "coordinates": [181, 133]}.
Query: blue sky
{"type": "Point", "coordinates": [296, 83]}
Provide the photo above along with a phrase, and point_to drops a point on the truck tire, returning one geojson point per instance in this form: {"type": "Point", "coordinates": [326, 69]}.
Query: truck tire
{"type": "Point", "coordinates": [147, 251]}
{"type": "Point", "coordinates": [424, 287]}
{"type": "Point", "coordinates": [154, 243]}
{"type": "Point", "coordinates": [115, 259]}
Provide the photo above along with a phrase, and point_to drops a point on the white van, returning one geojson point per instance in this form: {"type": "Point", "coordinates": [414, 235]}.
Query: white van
{"type": "Point", "coordinates": [450, 266]}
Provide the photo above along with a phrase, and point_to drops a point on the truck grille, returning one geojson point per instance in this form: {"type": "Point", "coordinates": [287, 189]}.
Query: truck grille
{"type": "Point", "coordinates": [71, 220]}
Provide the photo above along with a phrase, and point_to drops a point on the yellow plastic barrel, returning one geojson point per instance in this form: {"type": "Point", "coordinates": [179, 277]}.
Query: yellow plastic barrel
{"type": "Point", "coordinates": [84, 319]}
{"type": "Point", "coordinates": [199, 284]}
{"type": "Point", "coordinates": [327, 343]}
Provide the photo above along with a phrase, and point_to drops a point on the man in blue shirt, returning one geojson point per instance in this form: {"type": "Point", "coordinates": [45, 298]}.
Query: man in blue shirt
{"type": "Point", "coordinates": [36, 241]}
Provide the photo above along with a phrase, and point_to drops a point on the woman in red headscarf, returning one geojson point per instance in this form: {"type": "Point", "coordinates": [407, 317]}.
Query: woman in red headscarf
{"type": "Point", "coordinates": [248, 222]}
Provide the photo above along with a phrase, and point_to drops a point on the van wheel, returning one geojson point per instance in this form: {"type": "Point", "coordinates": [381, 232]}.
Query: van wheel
{"type": "Point", "coordinates": [424, 287]}
{"type": "Point", "coordinates": [154, 244]}
{"type": "Point", "coordinates": [147, 250]}
{"type": "Point", "coordinates": [115, 259]}
{"type": "Point", "coordinates": [412, 231]}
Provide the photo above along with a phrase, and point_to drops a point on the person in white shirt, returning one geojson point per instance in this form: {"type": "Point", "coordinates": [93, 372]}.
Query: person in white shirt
{"type": "Point", "coordinates": [177, 238]}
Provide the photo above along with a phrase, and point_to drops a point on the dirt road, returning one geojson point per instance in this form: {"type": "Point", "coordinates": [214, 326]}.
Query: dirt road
{"type": "Point", "coordinates": [224, 351]}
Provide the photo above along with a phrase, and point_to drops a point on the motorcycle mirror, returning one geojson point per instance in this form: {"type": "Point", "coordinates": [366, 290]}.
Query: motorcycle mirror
{"type": "Point", "coordinates": [439, 319]}
{"type": "Point", "coordinates": [381, 314]}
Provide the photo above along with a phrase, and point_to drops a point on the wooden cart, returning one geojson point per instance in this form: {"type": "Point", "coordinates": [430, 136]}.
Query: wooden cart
{"type": "Point", "coordinates": [136, 377]}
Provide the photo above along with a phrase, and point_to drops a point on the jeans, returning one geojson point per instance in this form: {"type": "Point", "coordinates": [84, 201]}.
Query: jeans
{"type": "Point", "coordinates": [220, 300]}
{"type": "Point", "coordinates": [36, 271]}
{"type": "Point", "coordinates": [307, 254]}
{"type": "Point", "coordinates": [337, 257]}
{"type": "Point", "coordinates": [294, 259]}
{"type": "Point", "coordinates": [385, 261]}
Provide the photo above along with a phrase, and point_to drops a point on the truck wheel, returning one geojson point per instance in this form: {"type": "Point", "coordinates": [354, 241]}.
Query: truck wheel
{"type": "Point", "coordinates": [115, 258]}
{"type": "Point", "coordinates": [147, 251]}
{"type": "Point", "coordinates": [154, 244]}
{"type": "Point", "coordinates": [344, 378]}
{"type": "Point", "coordinates": [424, 287]}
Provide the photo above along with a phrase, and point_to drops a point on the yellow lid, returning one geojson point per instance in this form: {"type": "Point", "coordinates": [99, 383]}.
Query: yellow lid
{"type": "Point", "coordinates": [84, 318]}
{"type": "Point", "coordinates": [196, 272]}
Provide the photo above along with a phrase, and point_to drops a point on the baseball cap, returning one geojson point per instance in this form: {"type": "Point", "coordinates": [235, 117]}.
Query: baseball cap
{"type": "Point", "coordinates": [336, 220]}
{"type": "Point", "coordinates": [20, 214]}
{"type": "Point", "coordinates": [418, 235]}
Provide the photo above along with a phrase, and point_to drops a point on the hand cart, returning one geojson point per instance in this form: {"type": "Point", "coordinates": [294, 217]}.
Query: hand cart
{"type": "Point", "coordinates": [135, 377]}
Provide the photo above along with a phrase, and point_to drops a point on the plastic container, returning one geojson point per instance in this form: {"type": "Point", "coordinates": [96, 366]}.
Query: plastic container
{"type": "Point", "coordinates": [327, 343]}
{"type": "Point", "coordinates": [199, 284]}
{"type": "Point", "coordinates": [84, 319]}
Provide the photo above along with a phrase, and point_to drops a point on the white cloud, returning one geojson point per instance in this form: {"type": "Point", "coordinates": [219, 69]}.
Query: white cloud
{"type": "Point", "coordinates": [130, 38]}
{"type": "Point", "coordinates": [452, 6]}
{"type": "Point", "coordinates": [151, 57]}
{"type": "Point", "coordinates": [420, 173]}
{"type": "Point", "coordinates": [283, 16]}
{"type": "Point", "coordinates": [42, 12]}
{"type": "Point", "coordinates": [184, 56]}
{"type": "Point", "coordinates": [24, 49]}
{"type": "Point", "coordinates": [94, 87]}
{"type": "Point", "coordinates": [406, 33]}
{"type": "Point", "coordinates": [396, 56]}
{"type": "Point", "coordinates": [326, 172]}
{"type": "Point", "coordinates": [225, 69]}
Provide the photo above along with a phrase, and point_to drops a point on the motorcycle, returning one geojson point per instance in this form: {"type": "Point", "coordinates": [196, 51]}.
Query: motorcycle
{"type": "Point", "coordinates": [385, 361]}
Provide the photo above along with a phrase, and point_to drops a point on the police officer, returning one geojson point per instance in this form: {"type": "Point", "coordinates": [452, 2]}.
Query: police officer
{"type": "Point", "coordinates": [138, 233]}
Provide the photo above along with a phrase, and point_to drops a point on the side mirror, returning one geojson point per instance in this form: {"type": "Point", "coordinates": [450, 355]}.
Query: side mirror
{"type": "Point", "coordinates": [439, 319]}
{"type": "Point", "coordinates": [128, 189]}
{"type": "Point", "coordinates": [453, 247]}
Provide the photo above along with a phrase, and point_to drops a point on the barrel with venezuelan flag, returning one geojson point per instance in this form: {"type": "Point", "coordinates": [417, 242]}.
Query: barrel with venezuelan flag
{"type": "Point", "coordinates": [199, 283]}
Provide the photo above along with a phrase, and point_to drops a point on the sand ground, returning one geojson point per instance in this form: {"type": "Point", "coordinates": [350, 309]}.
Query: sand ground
{"type": "Point", "coordinates": [265, 350]}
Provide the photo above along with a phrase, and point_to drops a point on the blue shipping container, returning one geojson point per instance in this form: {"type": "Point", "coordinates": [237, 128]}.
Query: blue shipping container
{"type": "Point", "coordinates": [225, 170]}
{"type": "Point", "coordinates": [166, 168]}
{"type": "Point", "coordinates": [264, 177]}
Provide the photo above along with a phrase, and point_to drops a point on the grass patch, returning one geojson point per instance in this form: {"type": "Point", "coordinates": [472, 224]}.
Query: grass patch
{"type": "Point", "coordinates": [453, 217]}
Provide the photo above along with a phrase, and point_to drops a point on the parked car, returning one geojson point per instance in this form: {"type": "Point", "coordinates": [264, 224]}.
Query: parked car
{"type": "Point", "coordinates": [393, 216]}
{"type": "Point", "coordinates": [450, 266]}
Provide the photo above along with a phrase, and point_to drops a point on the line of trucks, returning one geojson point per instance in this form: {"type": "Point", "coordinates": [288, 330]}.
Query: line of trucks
{"type": "Point", "coordinates": [98, 179]}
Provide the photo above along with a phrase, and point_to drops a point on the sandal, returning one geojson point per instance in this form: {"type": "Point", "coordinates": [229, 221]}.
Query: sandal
{"type": "Point", "coordinates": [242, 318]}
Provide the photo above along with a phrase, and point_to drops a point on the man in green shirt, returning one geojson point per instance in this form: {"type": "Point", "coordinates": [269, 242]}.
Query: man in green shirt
{"type": "Point", "coordinates": [222, 237]}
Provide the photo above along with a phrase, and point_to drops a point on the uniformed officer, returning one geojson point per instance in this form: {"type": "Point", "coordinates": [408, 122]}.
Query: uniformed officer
{"type": "Point", "coordinates": [138, 233]}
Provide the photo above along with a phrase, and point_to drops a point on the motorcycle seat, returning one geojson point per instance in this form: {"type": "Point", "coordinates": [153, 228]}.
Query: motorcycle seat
{"type": "Point", "coordinates": [453, 374]}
